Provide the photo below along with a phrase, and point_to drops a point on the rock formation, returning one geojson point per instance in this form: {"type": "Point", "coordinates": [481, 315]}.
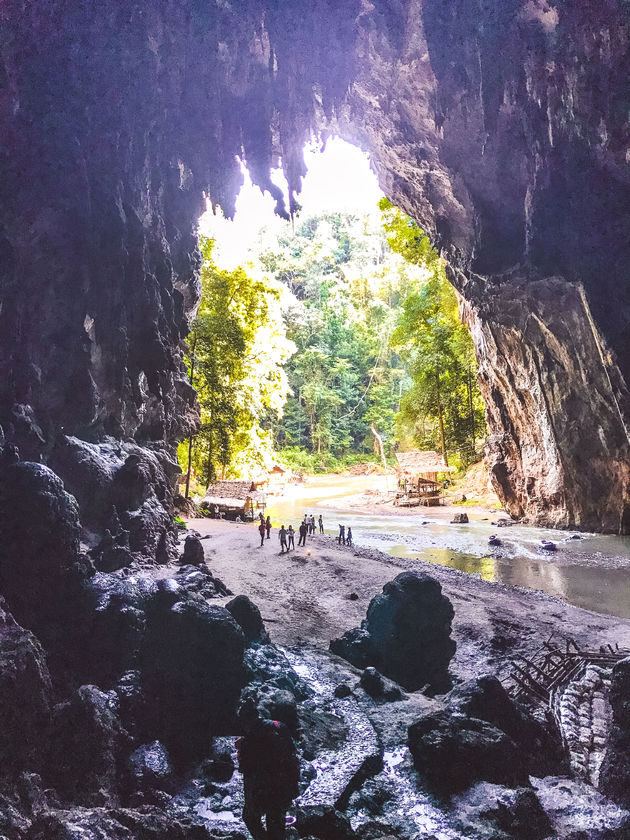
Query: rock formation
{"type": "Point", "coordinates": [406, 634]}
{"type": "Point", "coordinates": [614, 774]}
{"type": "Point", "coordinates": [500, 126]}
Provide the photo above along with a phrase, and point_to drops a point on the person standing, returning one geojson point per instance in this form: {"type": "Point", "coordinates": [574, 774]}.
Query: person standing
{"type": "Point", "coordinates": [282, 533]}
{"type": "Point", "coordinates": [349, 536]}
{"type": "Point", "coordinates": [268, 760]}
{"type": "Point", "coordinates": [291, 535]}
{"type": "Point", "coordinates": [321, 524]}
{"type": "Point", "coordinates": [268, 526]}
{"type": "Point", "coordinates": [342, 535]}
{"type": "Point", "coordinates": [261, 531]}
{"type": "Point", "coordinates": [303, 529]}
{"type": "Point", "coordinates": [261, 516]}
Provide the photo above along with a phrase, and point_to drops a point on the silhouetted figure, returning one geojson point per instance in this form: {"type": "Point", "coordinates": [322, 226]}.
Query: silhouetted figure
{"type": "Point", "coordinates": [291, 535]}
{"type": "Point", "coordinates": [268, 760]}
{"type": "Point", "coordinates": [311, 523]}
{"type": "Point", "coordinates": [321, 524]}
{"type": "Point", "coordinates": [261, 531]}
{"type": "Point", "coordinates": [342, 535]}
{"type": "Point", "coordinates": [349, 536]}
{"type": "Point", "coordinates": [268, 526]}
{"type": "Point", "coordinates": [282, 533]}
{"type": "Point", "coordinates": [303, 530]}
{"type": "Point", "coordinates": [261, 516]}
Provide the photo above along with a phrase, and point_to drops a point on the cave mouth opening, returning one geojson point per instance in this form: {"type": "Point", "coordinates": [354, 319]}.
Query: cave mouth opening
{"type": "Point", "coordinates": [353, 301]}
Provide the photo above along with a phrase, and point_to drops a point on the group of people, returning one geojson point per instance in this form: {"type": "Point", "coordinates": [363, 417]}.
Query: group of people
{"type": "Point", "coordinates": [345, 535]}
{"type": "Point", "coordinates": [307, 528]}
{"type": "Point", "coordinates": [264, 527]}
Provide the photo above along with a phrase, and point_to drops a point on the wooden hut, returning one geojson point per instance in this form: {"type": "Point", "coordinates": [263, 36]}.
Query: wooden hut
{"type": "Point", "coordinates": [232, 498]}
{"type": "Point", "coordinates": [276, 480]}
{"type": "Point", "coordinates": [418, 477]}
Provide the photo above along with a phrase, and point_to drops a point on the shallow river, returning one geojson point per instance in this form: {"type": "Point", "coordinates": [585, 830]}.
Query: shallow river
{"type": "Point", "coordinates": [591, 572]}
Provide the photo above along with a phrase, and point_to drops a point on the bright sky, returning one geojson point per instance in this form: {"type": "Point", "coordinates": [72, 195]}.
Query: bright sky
{"type": "Point", "coordinates": [339, 179]}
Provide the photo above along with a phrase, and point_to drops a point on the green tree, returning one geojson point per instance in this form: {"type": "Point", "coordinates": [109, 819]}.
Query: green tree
{"type": "Point", "coordinates": [443, 406]}
{"type": "Point", "coordinates": [346, 291]}
{"type": "Point", "coordinates": [237, 348]}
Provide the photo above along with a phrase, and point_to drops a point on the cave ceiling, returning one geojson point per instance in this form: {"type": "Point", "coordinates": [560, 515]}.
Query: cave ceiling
{"type": "Point", "coordinates": [501, 126]}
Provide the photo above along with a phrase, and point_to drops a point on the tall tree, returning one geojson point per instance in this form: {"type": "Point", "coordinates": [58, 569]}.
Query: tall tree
{"type": "Point", "coordinates": [347, 286]}
{"type": "Point", "coordinates": [443, 406]}
{"type": "Point", "coordinates": [237, 348]}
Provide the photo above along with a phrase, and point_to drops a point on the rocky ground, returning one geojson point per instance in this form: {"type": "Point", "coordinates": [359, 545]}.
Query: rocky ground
{"type": "Point", "coordinates": [308, 596]}
{"type": "Point", "coordinates": [120, 684]}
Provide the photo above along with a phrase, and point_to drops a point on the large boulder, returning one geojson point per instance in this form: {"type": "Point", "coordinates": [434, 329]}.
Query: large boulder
{"type": "Point", "coordinates": [114, 628]}
{"type": "Point", "coordinates": [406, 634]}
{"type": "Point", "coordinates": [355, 646]}
{"type": "Point", "coordinates": [25, 697]}
{"type": "Point", "coordinates": [41, 567]}
{"type": "Point", "coordinates": [614, 777]}
{"type": "Point", "coordinates": [193, 551]}
{"type": "Point", "coordinates": [249, 619]}
{"type": "Point", "coordinates": [497, 813]}
{"type": "Point", "coordinates": [123, 489]}
{"type": "Point", "coordinates": [192, 671]}
{"type": "Point", "coordinates": [451, 752]}
{"type": "Point", "coordinates": [149, 768]}
{"type": "Point", "coordinates": [486, 699]}
{"type": "Point", "coordinates": [86, 745]}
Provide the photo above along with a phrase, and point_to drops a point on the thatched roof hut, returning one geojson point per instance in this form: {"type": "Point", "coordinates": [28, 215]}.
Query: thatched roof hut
{"type": "Point", "coordinates": [231, 495]}
{"type": "Point", "coordinates": [417, 464]}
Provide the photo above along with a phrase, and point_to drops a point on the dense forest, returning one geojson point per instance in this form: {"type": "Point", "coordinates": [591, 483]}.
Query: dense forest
{"type": "Point", "coordinates": [344, 327]}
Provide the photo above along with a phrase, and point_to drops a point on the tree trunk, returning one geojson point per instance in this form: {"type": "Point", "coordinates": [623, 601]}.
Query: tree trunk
{"type": "Point", "coordinates": [472, 411]}
{"type": "Point", "coordinates": [209, 470]}
{"type": "Point", "coordinates": [190, 446]}
{"type": "Point", "coordinates": [440, 415]}
{"type": "Point", "coordinates": [379, 440]}
{"type": "Point", "coordinates": [190, 439]}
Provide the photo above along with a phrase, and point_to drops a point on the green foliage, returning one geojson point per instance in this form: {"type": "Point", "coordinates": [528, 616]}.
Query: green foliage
{"type": "Point", "coordinates": [443, 408]}
{"type": "Point", "coordinates": [237, 348]}
{"type": "Point", "coordinates": [347, 323]}
{"type": "Point", "coordinates": [347, 286]}
{"type": "Point", "coordinates": [301, 461]}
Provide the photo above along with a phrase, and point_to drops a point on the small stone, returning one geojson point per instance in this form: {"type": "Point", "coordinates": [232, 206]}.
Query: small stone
{"type": "Point", "coordinates": [342, 690]}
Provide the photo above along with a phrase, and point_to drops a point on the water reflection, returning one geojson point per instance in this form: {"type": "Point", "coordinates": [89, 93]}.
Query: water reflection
{"type": "Point", "coordinates": [518, 562]}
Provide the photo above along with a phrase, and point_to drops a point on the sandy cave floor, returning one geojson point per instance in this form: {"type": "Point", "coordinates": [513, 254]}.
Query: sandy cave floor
{"type": "Point", "coordinates": [304, 597]}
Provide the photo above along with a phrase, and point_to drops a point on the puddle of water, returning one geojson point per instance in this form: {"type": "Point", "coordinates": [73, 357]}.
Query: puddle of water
{"type": "Point", "coordinates": [571, 573]}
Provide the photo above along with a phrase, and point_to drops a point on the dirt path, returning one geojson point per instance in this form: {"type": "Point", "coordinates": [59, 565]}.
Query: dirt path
{"type": "Point", "coordinates": [305, 597]}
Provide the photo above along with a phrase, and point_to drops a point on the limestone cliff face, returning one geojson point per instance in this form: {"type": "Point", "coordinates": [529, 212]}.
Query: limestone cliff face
{"type": "Point", "coordinates": [501, 126]}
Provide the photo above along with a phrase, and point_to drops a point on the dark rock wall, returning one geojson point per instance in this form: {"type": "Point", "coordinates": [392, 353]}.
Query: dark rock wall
{"type": "Point", "coordinates": [501, 126]}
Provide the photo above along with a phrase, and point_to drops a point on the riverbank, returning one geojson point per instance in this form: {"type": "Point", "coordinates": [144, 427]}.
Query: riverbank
{"type": "Point", "coordinates": [314, 594]}
{"type": "Point", "coordinates": [374, 494]}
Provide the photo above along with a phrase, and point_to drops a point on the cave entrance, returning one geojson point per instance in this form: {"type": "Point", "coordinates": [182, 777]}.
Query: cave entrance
{"type": "Point", "coordinates": [328, 341]}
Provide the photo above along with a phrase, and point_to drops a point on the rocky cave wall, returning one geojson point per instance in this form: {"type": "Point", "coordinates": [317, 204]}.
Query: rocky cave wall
{"type": "Point", "coordinates": [501, 126]}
